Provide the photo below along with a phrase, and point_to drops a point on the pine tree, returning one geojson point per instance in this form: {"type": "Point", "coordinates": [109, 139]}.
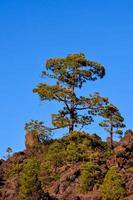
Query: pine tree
{"type": "Point", "coordinates": [113, 121]}
{"type": "Point", "coordinates": [70, 74]}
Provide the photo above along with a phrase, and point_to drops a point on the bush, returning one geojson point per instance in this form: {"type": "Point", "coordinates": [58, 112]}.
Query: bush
{"type": "Point", "coordinates": [29, 178]}
{"type": "Point", "coordinates": [112, 187]}
{"type": "Point", "coordinates": [89, 177]}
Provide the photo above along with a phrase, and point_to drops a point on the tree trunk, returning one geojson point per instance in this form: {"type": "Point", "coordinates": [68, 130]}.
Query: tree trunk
{"type": "Point", "coordinates": [72, 113]}
{"type": "Point", "coordinates": [71, 127]}
{"type": "Point", "coordinates": [111, 137]}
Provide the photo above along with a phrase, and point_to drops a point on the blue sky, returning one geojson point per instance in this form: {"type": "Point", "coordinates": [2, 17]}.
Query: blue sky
{"type": "Point", "coordinates": [32, 31]}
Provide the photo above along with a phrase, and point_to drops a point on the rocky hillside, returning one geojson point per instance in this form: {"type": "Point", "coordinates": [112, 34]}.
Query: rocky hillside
{"type": "Point", "coordinates": [77, 167]}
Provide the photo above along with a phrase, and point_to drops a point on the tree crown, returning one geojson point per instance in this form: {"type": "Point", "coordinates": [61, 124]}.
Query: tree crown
{"type": "Point", "coordinates": [73, 70]}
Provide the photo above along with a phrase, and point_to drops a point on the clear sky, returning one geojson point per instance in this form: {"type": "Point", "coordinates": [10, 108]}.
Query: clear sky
{"type": "Point", "coordinates": [33, 30]}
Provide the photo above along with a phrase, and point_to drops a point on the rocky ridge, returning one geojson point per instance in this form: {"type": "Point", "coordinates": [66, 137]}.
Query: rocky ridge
{"type": "Point", "coordinates": [66, 187]}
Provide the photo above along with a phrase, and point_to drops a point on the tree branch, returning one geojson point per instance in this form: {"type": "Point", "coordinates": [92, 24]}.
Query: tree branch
{"type": "Point", "coordinates": [83, 108]}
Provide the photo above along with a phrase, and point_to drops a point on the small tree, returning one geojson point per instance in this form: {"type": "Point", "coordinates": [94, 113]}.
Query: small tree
{"type": "Point", "coordinates": [70, 74]}
{"type": "Point", "coordinates": [113, 121]}
{"type": "Point", "coordinates": [9, 152]}
{"type": "Point", "coordinates": [37, 126]}
{"type": "Point", "coordinates": [113, 186]}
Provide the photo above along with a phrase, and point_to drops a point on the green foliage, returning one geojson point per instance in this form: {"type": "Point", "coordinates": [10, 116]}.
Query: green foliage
{"type": "Point", "coordinates": [29, 178]}
{"type": "Point", "coordinates": [89, 177]}
{"type": "Point", "coordinates": [75, 69]}
{"type": "Point", "coordinates": [42, 132]}
{"type": "Point", "coordinates": [113, 186]}
{"type": "Point", "coordinates": [71, 73]}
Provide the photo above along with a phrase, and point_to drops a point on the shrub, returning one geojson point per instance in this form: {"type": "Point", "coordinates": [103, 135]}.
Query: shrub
{"type": "Point", "coordinates": [29, 178]}
{"type": "Point", "coordinates": [90, 173]}
{"type": "Point", "coordinates": [112, 187]}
